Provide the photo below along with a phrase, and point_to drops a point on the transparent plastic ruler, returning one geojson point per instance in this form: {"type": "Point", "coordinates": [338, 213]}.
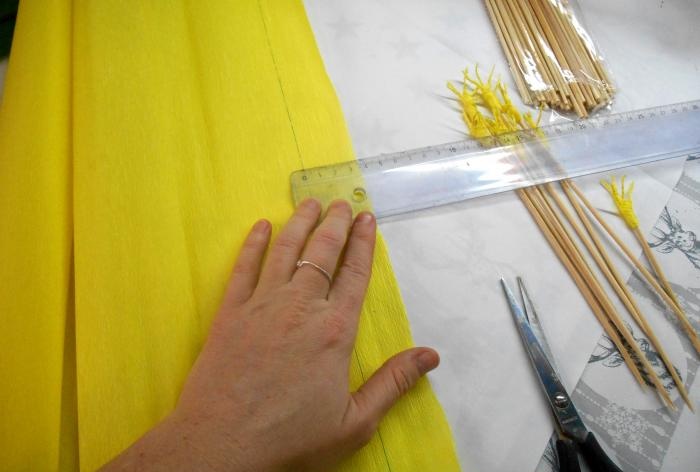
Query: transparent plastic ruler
{"type": "Point", "coordinates": [392, 184]}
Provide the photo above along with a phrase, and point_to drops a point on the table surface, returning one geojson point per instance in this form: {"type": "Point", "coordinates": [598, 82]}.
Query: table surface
{"type": "Point", "coordinates": [389, 62]}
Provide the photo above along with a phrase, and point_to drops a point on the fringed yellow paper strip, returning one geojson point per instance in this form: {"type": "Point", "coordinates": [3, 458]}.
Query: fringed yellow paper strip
{"type": "Point", "coordinates": [488, 110]}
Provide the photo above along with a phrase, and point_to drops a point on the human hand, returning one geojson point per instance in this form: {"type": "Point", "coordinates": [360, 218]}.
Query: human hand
{"type": "Point", "coordinates": [270, 389]}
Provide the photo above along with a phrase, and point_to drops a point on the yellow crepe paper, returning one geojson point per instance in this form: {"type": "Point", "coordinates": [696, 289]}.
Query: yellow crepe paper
{"type": "Point", "coordinates": [37, 363]}
{"type": "Point", "coordinates": [139, 142]}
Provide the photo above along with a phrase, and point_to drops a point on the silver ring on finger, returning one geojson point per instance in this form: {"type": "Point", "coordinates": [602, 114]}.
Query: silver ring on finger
{"type": "Point", "coordinates": [301, 263]}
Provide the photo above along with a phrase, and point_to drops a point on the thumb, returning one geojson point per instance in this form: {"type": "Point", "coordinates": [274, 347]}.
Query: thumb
{"type": "Point", "coordinates": [396, 377]}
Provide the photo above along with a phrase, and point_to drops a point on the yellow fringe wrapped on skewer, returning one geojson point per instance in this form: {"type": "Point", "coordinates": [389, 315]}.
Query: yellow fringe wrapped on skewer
{"type": "Point", "coordinates": [622, 197]}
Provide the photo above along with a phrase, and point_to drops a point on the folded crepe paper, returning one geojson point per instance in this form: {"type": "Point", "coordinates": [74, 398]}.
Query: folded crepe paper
{"type": "Point", "coordinates": [174, 127]}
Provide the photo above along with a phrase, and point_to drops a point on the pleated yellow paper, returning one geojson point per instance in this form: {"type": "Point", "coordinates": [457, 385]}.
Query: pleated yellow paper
{"type": "Point", "coordinates": [187, 119]}
{"type": "Point", "coordinates": [36, 233]}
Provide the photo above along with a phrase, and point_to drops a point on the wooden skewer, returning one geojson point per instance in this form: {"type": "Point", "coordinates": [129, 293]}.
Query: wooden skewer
{"type": "Point", "coordinates": [532, 46]}
{"type": "Point", "coordinates": [598, 290]}
{"type": "Point", "coordinates": [680, 314]}
{"type": "Point", "coordinates": [552, 62]}
{"type": "Point", "coordinates": [510, 52]}
{"type": "Point", "coordinates": [527, 198]}
{"type": "Point", "coordinates": [562, 242]}
{"type": "Point", "coordinates": [513, 42]}
{"type": "Point", "coordinates": [572, 252]}
{"type": "Point", "coordinates": [565, 248]}
{"type": "Point", "coordinates": [525, 19]}
{"type": "Point", "coordinates": [593, 73]}
{"type": "Point", "coordinates": [563, 245]}
{"type": "Point", "coordinates": [655, 264]}
{"type": "Point", "coordinates": [625, 296]}
{"type": "Point", "coordinates": [603, 261]}
{"type": "Point", "coordinates": [552, 17]}
{"type": "Point", "coordinates": [596, 250]}
{"type": "Point", "coordinates": [526, 61]}
{"type": "Point", "coordinates": [636, 262]}
{"type": "Point", "coordinates": [555, 47]}
{"type": "Point", "coordinates": [589, 73]}
{"type": "Point", "coordinates": [572, 44]}
{"type": "Point", "coordinates": [522, 37]}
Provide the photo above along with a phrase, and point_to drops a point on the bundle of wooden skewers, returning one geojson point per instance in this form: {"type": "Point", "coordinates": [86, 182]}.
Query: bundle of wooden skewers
{"type": "Point", "coordinates": [553, 60]}
{"type": "Point", "coordinates": [571, 225]}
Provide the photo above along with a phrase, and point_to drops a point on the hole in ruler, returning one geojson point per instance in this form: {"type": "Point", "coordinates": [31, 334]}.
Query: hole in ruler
{"type": "Point", "coordinates": [359, 195]}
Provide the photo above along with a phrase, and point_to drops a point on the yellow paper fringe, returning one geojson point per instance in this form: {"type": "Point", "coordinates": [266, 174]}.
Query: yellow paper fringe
{"type": "Point", "coordinates": [623, 200]}
{"type": "Point", "coordinates": [488, 110]}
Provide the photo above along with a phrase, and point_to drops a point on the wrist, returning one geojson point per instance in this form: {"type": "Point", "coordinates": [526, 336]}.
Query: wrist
{"type": "Point", "coordinates": [208, 444]}
{"type": "Point", "coordinates": [175, 444]}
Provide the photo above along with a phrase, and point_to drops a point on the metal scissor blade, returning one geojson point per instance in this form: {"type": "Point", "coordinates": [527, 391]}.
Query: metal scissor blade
{"type": "Point", "coordinates": [534, 321]}
{"type": "Point", "coordinates": [562, 406]}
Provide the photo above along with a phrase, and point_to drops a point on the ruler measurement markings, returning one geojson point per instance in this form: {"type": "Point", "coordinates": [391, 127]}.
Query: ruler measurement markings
{"type": "Point", "coordinates": [448, 160]}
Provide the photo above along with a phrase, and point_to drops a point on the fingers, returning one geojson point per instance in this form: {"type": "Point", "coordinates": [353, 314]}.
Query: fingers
{"type": "Point", "coordinates": [246, 270]}
{"type": "Point", "coordinates": [354, 273]}
{"type": "Point", "coordinates": [324, 248]}
{"type": "Point", "coordinates": [396, 377]}
{"type": "Point", "coordinates": [281, 262]}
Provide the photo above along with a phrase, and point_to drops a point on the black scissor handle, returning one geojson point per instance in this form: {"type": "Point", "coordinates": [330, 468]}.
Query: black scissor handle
{"type": "Point", "coordinates": [595, 456]}
{"type": "Point", "coordinates": [567, 456]}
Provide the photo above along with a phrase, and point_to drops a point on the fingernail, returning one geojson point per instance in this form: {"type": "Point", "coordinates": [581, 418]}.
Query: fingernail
{"type": "Point", "coordinates": [365, 218]}
{"type": "Point", "coordinates": [427, 361]}
{"type": "Point", "coordinates": [261, 226]}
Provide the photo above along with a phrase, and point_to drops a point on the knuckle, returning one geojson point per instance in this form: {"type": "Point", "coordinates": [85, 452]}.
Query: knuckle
{"type": "Point", "coordinates": [242, 269]}
{"type": "Point", "coordinates": [357, 269]}
{"type": "Point", "coordinates": [403, 380]}
{"type": "Point", "coordinates": [364, 431]}
{"type": "Point", "coordinates": [292, 322]}
{"type": "Point", "coordinates": [330, 237]}
{"type": "Point", "coordinates": [294, 316]}
{"type": "Point", "coordinates": [297, 299]}
{"type": "Point", "coordinates": [260, 307]}
{"type": "Point", "coordinates": [287, 242]}
{"type": "Point", "coordinates": [291, 307]}
{"type": "Point", "coordinates": [251, 243]}
{"type": "Point", "coordinates": [335, 329]}
{"type": "Point", "coordinates": [302, 293]}
{"type": "Point", "coordinates": [352, 300]}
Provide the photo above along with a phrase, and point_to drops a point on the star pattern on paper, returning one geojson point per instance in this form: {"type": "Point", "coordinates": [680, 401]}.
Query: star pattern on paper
{"type": "Point", "coordinates": [375, 137]}
{"type": "Point", "coordinates": [454, 19]}
{"type": "Point", "coordinates": [344, 28]}
{"type": "Point", "coordinates": [419, 87]}
{"type": "Point", "coordinates": [405, 48]}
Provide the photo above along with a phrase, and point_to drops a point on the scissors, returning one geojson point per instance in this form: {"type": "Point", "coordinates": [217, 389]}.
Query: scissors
{"type": "Point", "coordinates": [573, 434]}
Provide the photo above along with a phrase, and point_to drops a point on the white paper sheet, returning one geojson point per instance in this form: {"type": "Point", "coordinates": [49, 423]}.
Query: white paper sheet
{"type": "Point", "coordinates": [389, 62]}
